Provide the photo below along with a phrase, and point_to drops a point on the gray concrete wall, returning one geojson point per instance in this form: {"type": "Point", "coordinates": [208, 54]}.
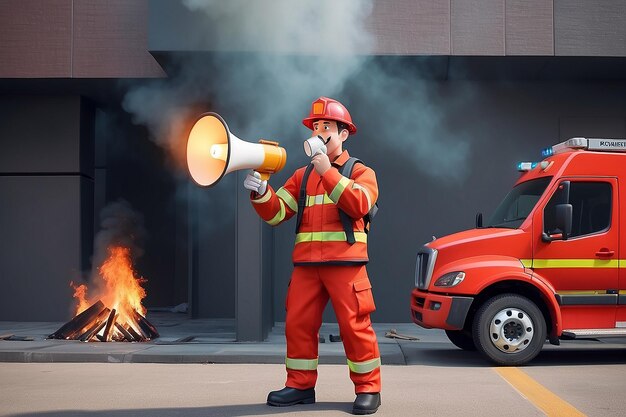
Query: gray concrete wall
{"type": "Point", "coordinates": [46, 215]}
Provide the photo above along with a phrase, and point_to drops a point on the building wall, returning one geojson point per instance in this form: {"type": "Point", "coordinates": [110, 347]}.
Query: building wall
{"type": "Point", "coordinates": [77, 39]}
{"type": "Point", "coordinates": [441, 27]}
{"type": "Point", "coordinates": [46, 215]}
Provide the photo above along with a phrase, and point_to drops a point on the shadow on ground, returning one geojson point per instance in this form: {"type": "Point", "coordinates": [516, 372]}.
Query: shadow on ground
{"type": "Point", "coordinates": [213, 411]}
{"type": "Point", "coordinates": [447, 355]}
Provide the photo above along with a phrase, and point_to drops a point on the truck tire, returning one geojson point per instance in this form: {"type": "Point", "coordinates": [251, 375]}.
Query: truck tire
{"type": "Point", "coordinates": [461, 339]}
{"type": "Point", "coordinates": [509, 330]}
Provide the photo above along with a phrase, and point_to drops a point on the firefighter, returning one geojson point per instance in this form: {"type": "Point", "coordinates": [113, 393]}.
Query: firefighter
{"type": "Point", "coordinates": [329, 259]}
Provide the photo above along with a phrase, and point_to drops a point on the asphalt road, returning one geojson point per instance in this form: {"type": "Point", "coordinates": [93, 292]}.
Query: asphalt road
{"type": "Point", "coordinates": [573, 380]}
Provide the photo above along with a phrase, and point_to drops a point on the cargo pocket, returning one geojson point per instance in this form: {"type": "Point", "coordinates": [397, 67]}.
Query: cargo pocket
{"type": "Point", "coordinates": [364, 297]}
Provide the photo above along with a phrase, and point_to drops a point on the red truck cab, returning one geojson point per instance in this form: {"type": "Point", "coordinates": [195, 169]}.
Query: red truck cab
{"type": "Point", "coordinates": [546, 265]}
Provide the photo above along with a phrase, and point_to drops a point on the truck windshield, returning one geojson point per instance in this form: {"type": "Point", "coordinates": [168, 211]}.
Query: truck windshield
{"type": "Point", "coordinates": [518, 204]}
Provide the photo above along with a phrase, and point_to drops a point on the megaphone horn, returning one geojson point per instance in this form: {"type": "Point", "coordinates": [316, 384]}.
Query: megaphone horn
{"type": "Point", "coordinates": [213, 151]}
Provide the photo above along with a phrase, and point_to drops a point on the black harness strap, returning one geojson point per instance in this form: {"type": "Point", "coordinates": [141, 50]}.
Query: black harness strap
{"type": "Point", "coordinates": [302, 196]}
{"type": "Point", "coordinates": [346, 221]}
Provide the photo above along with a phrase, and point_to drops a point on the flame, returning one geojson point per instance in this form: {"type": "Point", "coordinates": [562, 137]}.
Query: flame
{"type": "Point", "coordinates": [80, 293]}
{"type": "Point", "coordinates": [119, 287]}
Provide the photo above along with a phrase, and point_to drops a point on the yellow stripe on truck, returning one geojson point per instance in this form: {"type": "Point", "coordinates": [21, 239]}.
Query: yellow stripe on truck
{"type": "Point", "coordinates": [573, 263]}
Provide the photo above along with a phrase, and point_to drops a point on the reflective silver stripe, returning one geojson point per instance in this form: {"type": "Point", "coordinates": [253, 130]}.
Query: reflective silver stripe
{"type": "Point", "coordinates": [312, 200]}
{"type": "Point", "coordinates": [264, 198]}
{"type": "Point", "coordinates": [364, 367]}
{"type": "Point", "coordinates": [280, 216]}
{"type": "Point", "coordinates": [301, 364]}
{"type": "Point", "coordinates": [338, 190]}
{"type": "Point", "coordinates": [287, 198]}
{"type": "Point", "coordinates": [356, 186]}
{"type": "Point", "coordinates": [329, 237]}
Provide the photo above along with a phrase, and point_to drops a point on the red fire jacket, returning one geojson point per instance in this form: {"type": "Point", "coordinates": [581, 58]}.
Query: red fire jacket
{"type": "Point", "coordinates": [321, 238]}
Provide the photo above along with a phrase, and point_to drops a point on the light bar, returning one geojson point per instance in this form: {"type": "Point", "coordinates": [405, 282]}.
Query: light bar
{"type": "Point", "coordinates": [591, 144]}
{"type": "Point", "coordinates": [526, 166]}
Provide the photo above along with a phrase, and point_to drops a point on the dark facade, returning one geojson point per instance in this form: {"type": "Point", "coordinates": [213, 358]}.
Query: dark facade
{"type": "Point", "coordinates": [476, 86]}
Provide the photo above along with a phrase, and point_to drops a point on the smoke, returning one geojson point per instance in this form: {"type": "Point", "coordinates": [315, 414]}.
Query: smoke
{"type": "Point", "coordinates": [413, 118]}
{"type": "Point", "coordinates": [120, 225]}
{"type": "Point", "coordinates": [270, 59]}
{"type": "Point", "coordinates": [301, 50]}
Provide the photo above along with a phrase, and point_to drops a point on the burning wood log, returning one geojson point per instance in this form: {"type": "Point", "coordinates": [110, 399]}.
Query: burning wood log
{"type": "Point", "coordinates": [110, 323]}
{"type": "Point", "coordinates": [136, 336]}
{"type": "Point", "coordinates": [101, 323]}
{"type": "Point", "coordinates": [77, 325]}
{"type": "Point", "coordinates": [125, 332]}
{"type": "Point", "coordinates": [149, 331]}
{"type": "Point", "coordinates": [96, 327]}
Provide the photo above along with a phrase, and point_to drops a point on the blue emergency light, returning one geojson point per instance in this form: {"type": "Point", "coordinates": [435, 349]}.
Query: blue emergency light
{"type": "Point", "coordinates": [526, 166]}
{"type": "Point", "coordinates": [546, 152]}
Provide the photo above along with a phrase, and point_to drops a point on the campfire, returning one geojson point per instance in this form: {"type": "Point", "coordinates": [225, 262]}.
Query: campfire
{"type": "Point", "coordinates": [115, 311]}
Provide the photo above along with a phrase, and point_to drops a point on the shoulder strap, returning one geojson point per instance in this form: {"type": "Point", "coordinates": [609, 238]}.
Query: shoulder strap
{"type": "Point", "coordinates": [302, 196]}
{"type": "Point", "coordinates": [346, 221]}
{"type": "Point", "coordinates": [348, 166]}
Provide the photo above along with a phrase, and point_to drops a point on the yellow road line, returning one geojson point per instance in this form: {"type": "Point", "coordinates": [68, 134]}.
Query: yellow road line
{"type": "Point", "coordinates": [537, 394]}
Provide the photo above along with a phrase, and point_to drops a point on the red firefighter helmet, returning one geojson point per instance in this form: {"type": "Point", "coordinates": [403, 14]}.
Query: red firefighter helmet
{"type": "Point", "coordinates": [329, 109]}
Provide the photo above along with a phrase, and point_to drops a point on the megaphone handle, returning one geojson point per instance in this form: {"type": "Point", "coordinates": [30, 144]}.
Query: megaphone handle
{"type": "Point", "coordinates": [264, 176]}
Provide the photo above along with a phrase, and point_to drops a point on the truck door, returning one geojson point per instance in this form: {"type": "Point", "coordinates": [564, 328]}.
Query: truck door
{"type": "Point", "coordinates": [583, 269]}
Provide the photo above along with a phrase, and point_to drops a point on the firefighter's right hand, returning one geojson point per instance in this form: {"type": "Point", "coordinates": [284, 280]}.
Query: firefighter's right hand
{"type": "Point", "coordinates": [253, 182]}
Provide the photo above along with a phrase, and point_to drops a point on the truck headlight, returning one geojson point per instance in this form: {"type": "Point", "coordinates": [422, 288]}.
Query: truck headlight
{"type": "Point", "coordinates": [450, 279]}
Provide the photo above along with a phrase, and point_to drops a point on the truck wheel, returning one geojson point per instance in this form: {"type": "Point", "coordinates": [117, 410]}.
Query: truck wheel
{"type": "Point", "coordinates": [461, 339]}
{"type": "Point", "coordinates": [509, 329]}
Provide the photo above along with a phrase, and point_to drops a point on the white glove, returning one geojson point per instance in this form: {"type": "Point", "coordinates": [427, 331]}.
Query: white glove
{"type": "Point", "coordinates": [253, 182]}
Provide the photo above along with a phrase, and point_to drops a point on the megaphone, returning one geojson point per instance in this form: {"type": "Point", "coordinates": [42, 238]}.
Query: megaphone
{"type": "Point", "coordinates": [213, 151]}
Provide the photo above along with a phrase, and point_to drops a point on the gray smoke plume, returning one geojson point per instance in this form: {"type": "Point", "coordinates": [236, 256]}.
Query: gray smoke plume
{"type": "Point", "coordinates": [120, 225]}
{"type": "Point", "coordinates": [271, 58]}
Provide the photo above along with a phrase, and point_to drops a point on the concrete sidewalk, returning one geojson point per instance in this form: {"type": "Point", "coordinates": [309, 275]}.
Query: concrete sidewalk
{"type": "Point", "coordinates": [183, 340]}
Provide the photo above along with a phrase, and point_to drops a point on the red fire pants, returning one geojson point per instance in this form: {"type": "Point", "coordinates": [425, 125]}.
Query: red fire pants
{"type": "Point", "coordinates": [349, 290]}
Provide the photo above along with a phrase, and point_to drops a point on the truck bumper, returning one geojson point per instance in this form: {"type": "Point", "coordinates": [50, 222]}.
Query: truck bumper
{"type": "Point", "coordinates": [435, 311]}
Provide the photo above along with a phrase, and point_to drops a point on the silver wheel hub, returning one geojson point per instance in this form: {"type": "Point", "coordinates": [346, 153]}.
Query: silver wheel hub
{"type": "Point", "coordinates": [511, 330]}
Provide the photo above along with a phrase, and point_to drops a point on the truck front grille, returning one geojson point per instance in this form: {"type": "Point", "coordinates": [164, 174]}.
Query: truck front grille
{"type": "Point", "coordinates": [426, 258]}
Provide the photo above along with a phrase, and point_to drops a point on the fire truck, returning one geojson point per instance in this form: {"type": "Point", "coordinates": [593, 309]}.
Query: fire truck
{"type": "Point", "coordinates": [548, 265]}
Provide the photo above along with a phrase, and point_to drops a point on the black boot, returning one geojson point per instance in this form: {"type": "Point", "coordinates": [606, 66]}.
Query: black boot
{"type": "Point", "coordinates": [366, 403]}
{"type": "Point", "coordinates": [291, 396]}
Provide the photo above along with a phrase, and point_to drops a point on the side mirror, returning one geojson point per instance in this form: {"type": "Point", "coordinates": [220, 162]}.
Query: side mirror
{"type": "Point", "coordinates": [564, 219]}
{"type": "Point", "coordinates": [563, 222]}
{"type": "Point", "coordinates": [479, 220]}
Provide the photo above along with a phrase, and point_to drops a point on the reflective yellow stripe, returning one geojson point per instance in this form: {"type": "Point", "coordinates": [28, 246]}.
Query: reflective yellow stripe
{"type": "Point", "coordinates": [287, 198]}
{"type": "Point", "coordinates": [584, 292]}
{"type": "Point", "coordinates": [329, 237]}
{"type": "Point", "coordinates": [364, 367]}
{"type": "Point", "coordinates": [573, 263]}
{"type": "Point", "coordinates": [264, 198]}
{"type": "Point", "coordinates": [280, 216]}
{"type": "Point", "coordinates": [367, 194]}
{"type": "Point", "coordinates": [338, 190]}
{"type": "Point", "coordinates": [312, 200]}
{"type": "Point", "coordinates": [301, 364]}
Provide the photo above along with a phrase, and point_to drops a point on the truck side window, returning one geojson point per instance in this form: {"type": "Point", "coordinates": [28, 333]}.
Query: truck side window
{"type": "Point", "coordinates": [591, 203]}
